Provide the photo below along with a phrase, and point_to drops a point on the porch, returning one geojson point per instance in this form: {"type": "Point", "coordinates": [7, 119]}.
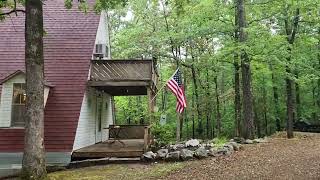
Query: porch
{"type": "Point", "coordinates": [124, 141]}
{"type": "Point", "coordinates": [121, 78]}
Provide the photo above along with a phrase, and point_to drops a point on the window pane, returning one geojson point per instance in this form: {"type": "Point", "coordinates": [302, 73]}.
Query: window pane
{"type": "Point", "coordinates": [19, 93]}
{"type": "Point", "coordinates": [18, 105]}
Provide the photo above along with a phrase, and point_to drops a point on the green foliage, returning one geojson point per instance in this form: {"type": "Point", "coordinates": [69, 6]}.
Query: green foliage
{"type": "Point", "coordinates": [164, 134]}
{"type": "Point", "coordinates": [202, 34]}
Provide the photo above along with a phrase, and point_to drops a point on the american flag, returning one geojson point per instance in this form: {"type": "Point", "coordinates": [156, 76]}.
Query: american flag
{"type": "Point", "coordinates": [176, 86]}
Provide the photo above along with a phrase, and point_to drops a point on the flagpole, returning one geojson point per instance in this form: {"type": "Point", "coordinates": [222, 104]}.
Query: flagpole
{"type": "Point", "coordinates": [163, 86]}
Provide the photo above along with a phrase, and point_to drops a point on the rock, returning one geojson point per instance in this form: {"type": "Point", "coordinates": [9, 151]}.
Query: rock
{"type": "Point", "coordinates": [201, 152]}
{"type": "Point", "coordinates": [239, 140]}
{"type": "Point", "coordinates": [248, 141]}
{"type": "Point", "coordinates": [193, 143]}
{"type": "Point", "coordinates": [162, 153]}
{"type": "Point", "coordinates": [213, 152]}
{"type": "Point", "coordinates": [173, 156]}
{"type": "Point", "coordinates": [186, 154]}
{"type": "Point", "coordinates": [260, 140]}
{"type": "Point", "coordinates": [229, 147]}
{"type": "Point", "coordinates": [208, 146]}
{"type": "Point", "coordinates": [177, 147]}
{"type": "Point", "coordinates": [224, 151]}
{"type": "Point", "coordinates": [149, 156]}
{"type": "Point", "coordinates": [235, 146]}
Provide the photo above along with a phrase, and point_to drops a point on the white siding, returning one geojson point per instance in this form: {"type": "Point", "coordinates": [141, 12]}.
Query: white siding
{"type": "Point", "coordinates": [108, 116]}
{"type": "Point", "coordinates": [6, 99]}
{"type": "Point", "coordinates": [102, 36]}
{"type": "Point", "coordinates": [85, 134]}
{"type": "Point", "coordinates": [86, 130]}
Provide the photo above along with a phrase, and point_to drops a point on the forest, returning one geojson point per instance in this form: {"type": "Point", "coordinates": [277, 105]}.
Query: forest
{"type": "Point", "coordinates": [250, 68]}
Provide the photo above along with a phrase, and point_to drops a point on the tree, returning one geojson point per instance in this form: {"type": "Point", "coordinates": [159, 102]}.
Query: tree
{"type": "Point", "coordinates": [33, 163]}
{"type": "Point", "coordinates": [246, 72]}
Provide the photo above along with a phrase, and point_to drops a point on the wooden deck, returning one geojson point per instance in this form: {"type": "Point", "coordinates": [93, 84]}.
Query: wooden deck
{"type": "Point", "coordinates": [129, 148]}
{"type": "Point", "coordinates": [123, 77]}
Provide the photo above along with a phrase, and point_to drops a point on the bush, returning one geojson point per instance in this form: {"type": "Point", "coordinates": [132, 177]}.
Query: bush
{"type": "Point", "coordinates": [164, 134]}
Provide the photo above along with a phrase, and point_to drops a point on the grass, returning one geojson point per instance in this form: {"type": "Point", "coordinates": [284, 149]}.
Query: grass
{"type": "Point", "coordinates": [220, 141]}
{"type": "Point", "coordinates": [125, 171]}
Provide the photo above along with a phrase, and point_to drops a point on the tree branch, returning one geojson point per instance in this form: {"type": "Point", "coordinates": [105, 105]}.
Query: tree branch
{"type": "Point", "coordinates": [14, 10]}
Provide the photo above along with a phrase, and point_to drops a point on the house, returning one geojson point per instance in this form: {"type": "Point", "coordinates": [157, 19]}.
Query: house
{"type": "Point", "coordinates": [80, 80]}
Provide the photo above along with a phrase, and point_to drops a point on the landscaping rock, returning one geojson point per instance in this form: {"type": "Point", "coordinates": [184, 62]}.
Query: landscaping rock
{"type": "Point", "coordinates": [162, 153]}
{"type": "Point", "coordinates": [186, 154]}
{"type": "Point", "coordinates": [260, 140]}
{"type": "Point", "coordinates": [213, 152]}
{"type": "Point", "coordinates": [238, 140]}
{"type": "Point", "coordinates": [207, 145]}
{"type": "Point", "coordinates": [173, 156]}
{"type": "Point", "coordinates": [223, 151]}
{"type": "Point", "coordinates": [235, 146]}
{"type": "Point", "coordinates": [248, 141]}
{"type": "Point", "coordinates": [201, 152]}
{"type": "Point", "coordinates": [229, 147]}
{"type": "Point", "coordinates": [193, 143]}
{"type": "Point", "coordinates": [149, 156]}
{"type": "Point", "coordinates": [175, 147]}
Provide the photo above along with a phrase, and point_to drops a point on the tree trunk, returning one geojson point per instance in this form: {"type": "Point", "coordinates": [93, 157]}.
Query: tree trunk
{"type": "Point", "coordinates": [264, 96]}
{"type": "Point", "coordinates": [193, 123]}
{"type": "Point", "coordinates": [237, 98]}
{"type": "Point", "coordinates": [275, 99]}
{"type": "Point", "coordinates": [318, 82]}
{"type": "Point", "coordinates": [246, 73]}
{"type": "Point", "coordinates": [291, 31]}
{"type": "Point", "coordinates": [178, 134]}
{"type": "Point", "coordinates": [208, 109]}
{"type": "Point", "coordinates": [290, 108]}
{"type": "Point", "coordinates": [256, 118]}
{"type": "Point", "coordinates": [297, 100]}
{"type": "Point", "coordinates": [200, 128]}
{"type": "Point", "coordinates": [33, 163]}
{"type": "Point", "coordinates": [218, 122]}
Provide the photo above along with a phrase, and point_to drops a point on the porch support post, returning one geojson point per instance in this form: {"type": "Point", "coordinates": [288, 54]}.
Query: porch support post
{"type": "Point", "coordinates": [152, 102]}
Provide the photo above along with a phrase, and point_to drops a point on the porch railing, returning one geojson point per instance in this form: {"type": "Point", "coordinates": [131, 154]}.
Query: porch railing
{"type": "Point", "coordinates": [122, 70]}
{"type": "Point", "coordinates": [119, 132]}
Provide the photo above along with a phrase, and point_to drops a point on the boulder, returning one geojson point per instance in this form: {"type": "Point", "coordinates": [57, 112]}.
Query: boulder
{"type": "Point", "coordinates": [201, 152]}
{"type": "Point", "coordinates": [193, 143]}
{"type": "Point", "coordinates": [162, 153]}
{"type": "Point", "coordinates": [207, 145]}
{"type": "Point", "coordinates": [186, 154]}
{"type": "Point", "coordinates": [248, 141]}
{"type": "Point", "coordinates": [235, 146]}
{"type": "Point", "coordinates": [213, 152]}
{"type": "Point", "coordinates": [260, 140]}
{"type": "Point", "coordinates": [224, 151]}
{"type": "Point", "coordinates": [148, 156]}
{"type": "Point", "coordinates": [229, 147]}
{"type": "Point", "coordinates": [173, 156]}
{"type": "Point", "coordinates": [239, 140]}
{"type": "Point", "coordinates": [175, 147]}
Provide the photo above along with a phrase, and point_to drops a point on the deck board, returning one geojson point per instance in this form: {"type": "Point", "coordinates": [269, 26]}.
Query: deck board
{"type": "Point", "coordinates": [131, 148]}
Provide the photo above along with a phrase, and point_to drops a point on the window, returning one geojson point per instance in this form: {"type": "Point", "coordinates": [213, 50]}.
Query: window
{"type": "Point", "coordinates": [18, 104]}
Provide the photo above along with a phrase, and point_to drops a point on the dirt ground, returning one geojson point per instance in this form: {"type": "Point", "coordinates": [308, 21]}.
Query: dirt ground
{"type": "Point", "coordinates": [280, 158]}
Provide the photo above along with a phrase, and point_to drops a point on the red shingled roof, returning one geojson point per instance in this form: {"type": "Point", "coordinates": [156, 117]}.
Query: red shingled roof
{"type": "Point", "coordinates": [68, 47]}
